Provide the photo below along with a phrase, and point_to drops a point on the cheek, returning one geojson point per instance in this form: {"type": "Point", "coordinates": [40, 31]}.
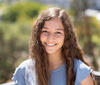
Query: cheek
{"type": "Point", "coordinates": [61, 40]}
{"type": "Point", "coordinates": [42, 38]}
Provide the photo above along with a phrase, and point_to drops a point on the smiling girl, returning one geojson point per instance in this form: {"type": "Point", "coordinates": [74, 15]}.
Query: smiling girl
{"type": "Point", "coordinates": [55, 56]}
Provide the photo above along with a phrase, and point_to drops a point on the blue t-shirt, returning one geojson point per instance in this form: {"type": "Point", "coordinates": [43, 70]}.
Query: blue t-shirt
{"type": "Point", "coordinates": [58, 76]}
{"type": "Point", "coordinates": [25, 73]}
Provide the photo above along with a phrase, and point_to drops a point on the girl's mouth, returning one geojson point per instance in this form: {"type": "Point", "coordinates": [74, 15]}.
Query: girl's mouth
{"type": "Point", "coordinates": [50, 45]}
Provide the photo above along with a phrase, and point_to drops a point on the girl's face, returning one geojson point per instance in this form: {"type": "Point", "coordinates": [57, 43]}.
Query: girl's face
{"type": "Point", "coordinates": [52, 36]}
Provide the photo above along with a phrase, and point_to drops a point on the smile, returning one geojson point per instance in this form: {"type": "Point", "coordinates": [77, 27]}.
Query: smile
{"type": "Point", "coordinates": [50, 44]}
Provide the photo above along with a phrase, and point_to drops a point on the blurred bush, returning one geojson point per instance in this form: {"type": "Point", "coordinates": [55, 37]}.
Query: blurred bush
{"type": "Point", "coordinates": [29, 10]}
{"type": "Point", "coordinates": [15, 29]}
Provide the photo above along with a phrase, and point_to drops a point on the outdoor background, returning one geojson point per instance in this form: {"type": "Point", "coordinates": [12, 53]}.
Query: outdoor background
{"type": "Point", "coordinates": [18, 16]}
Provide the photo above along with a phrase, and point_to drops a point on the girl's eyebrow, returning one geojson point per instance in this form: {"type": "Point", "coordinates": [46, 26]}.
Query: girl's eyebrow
{"type": "Point", "coordinates": [56, 29]}
{"type": "Point", "coordinates": [60, 29]}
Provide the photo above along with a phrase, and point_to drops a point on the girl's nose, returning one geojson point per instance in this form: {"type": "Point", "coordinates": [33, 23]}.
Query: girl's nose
{"type": "Point", "coordinates": [51, 37]}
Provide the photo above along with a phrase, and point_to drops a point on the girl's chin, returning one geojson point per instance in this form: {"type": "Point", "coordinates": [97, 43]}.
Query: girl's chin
{"type": "Point", "coordinates": [50, 52]}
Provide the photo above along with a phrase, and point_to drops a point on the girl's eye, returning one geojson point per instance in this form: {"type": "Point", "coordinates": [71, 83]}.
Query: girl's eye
{"type": "Point", "coordinates": [44, 31]}
{"type": "Point", "coordinates": [58, 33]}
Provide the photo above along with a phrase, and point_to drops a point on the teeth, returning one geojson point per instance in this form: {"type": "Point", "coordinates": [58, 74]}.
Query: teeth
{"type": "Point", "coordinates": [51, 44]}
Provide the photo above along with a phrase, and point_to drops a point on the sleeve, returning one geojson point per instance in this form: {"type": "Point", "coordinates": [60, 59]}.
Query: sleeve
{"type": "Point", "coordinates": [18, 76]}
{"type": "Point", "coordinates": [82, 71]}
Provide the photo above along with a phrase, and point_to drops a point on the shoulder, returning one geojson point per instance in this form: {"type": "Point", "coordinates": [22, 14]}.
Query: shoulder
{"type": "Point", "coordinates": [23, 72]}
{"type": "Point", "coordinates": [80, 64]}
{"type": "Point", "coordinates": [26, 63]}
{"type": "Point", "coordinates": [82, 70]}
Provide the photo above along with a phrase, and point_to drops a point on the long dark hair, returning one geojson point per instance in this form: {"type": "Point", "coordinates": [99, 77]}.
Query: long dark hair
{"type": "Point", "coordinates": [70, 48]}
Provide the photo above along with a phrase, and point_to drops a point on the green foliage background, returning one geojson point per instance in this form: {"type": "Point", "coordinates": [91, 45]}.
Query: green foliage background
{"type": "Point", "coordinates": [15, 30]}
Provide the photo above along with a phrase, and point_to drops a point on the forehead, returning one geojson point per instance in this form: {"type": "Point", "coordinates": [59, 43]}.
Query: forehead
{"type": "Point", "coordinates": [54, 23]}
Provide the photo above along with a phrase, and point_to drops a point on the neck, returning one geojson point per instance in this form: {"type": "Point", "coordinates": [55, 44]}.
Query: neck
{"type": "Point", "coordinates": [55, 61]}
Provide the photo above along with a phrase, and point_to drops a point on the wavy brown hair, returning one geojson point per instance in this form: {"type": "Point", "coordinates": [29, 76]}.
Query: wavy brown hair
{"type": "Point", "coordinates": [70, 48]}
